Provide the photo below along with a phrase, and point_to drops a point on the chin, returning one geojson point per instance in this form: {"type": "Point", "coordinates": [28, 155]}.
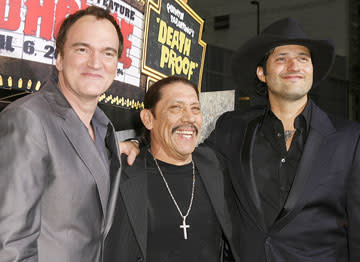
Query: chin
{"type": "Point", "coordinates": [95, 90]}
{"type": "Point", "coordinates": [294, 97]}
{"type": "Point", "coordinates": [185, 151]}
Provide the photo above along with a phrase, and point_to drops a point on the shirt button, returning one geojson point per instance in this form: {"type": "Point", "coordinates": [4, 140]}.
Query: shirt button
{"type": "Point", "coordinates": [267, 241]}
{"type": "Point", "coordinates": [283, 160]}
{"type": "Point", "coordinates": [279, 134]}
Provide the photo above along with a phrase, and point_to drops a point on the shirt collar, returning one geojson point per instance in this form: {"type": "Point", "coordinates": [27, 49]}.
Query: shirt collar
{"type": "Point", "coordinates": [101, 124]}
{"type": "Point", "coordinates": [306, 114]}
{"type": "Point", "coordinates": [302, 120]}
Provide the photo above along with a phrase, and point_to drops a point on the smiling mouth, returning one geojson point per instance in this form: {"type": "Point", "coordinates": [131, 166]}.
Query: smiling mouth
{"type": "Point", "coordinates": [293, 77]}
{"type": "Point", "coordinates": [187, 132]}
{"type": "Point", "coordinates": [92, 75]}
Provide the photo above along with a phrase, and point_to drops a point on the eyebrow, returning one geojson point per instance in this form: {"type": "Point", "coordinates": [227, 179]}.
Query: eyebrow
{"type": "Point", "coordinates": [79, 44]}
{"type": "Point", "coordinates": [182, 102]}
{"type": "Point", "coordinates": [87, 45]}
{"type": "Point", "coordinates": [305, 54]}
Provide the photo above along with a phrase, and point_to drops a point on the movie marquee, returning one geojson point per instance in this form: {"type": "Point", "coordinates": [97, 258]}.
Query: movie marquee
{"type": "Point", "coordinates": [27, 43]}
{"type": "Point", "coordinates": [170, 43]}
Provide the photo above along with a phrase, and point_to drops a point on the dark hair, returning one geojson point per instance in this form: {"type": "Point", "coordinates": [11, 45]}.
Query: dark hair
{"type": "Point", "coordinates": [99, 13]}
{"type": "Point", "coordinates": [153, 95]}
{"type": "Point", "coordinates": [261, 87]}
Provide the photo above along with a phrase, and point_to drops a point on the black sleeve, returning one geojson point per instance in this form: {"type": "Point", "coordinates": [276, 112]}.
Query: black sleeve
{"type": "Point", "coordinates": [216, 138]}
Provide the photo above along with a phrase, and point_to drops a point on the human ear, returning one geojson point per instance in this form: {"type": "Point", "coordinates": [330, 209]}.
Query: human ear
{"type": "Point", "coordinates": [147, 118]}
{"type": "Point", "coordinates": [260, 74]}
{"type": "Point", "coordinates": [58, 64]}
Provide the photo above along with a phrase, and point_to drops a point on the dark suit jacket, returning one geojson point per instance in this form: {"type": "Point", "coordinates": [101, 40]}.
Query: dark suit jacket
{"type": "Point", "coordinates": [320, 221]}
{"type": "Point", "coordinates": [57, 196]}
{"type": "Point", "coordinates": [127, 239]}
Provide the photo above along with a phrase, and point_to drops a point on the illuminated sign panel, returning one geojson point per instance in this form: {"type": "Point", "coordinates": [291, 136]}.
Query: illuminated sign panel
{"type": "Point", "coordinates": [173, 44]}
{"type": "Point", "coordinates": [27, 44]}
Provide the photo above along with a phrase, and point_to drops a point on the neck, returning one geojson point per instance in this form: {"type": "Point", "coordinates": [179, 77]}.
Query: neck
{"type": "Point", "coordinates": [83, 107]}
{"type": "Point", "coordinates": [178, 160]}
{"type": "Point", "coordinates": [287, 111]}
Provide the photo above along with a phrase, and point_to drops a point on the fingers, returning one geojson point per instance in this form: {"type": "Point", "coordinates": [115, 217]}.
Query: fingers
{"type": "Point", "coordinates": [131, 149]}
{"type": "Point", "coordinates": [132, 156]}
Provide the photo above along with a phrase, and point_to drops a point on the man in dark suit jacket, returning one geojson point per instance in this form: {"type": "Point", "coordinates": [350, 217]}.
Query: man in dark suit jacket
{"type": "Point", "coordinates": [296, 169]}
{"type": "Point", "coordinates": [175, 204]}
{"type": "Point", "coordinates": [59, 160]}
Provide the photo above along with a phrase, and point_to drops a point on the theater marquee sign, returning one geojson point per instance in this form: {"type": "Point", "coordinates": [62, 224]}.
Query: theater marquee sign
{"type": "Point", "coordinates": [27, 43]}
{"type": "Point", "coordinates": [169, 43]}
{"type": "Point", "coordinates": [28, 30]}
{"type": "Point", "coordinates": [172, 41]}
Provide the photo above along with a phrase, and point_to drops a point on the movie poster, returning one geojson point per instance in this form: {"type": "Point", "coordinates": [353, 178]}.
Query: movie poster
{"type": "Point", "coordinates": [161, 38]}
{"type": "Point", "coordinates": [173, 42]}
{"type": "Point", "coordinates": [28, 29]}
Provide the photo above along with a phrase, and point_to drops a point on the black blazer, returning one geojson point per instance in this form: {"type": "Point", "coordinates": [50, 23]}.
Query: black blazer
{"type": "Point", "coordinates": [320, 221]}
{"type": "Point", "coordinates": [127, 239]}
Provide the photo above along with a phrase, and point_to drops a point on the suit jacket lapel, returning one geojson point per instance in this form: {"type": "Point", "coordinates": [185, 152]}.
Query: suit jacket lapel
{"type": "Point", "coordinates": [133, 188]}
{"type": "Point", "coordinates": [115, 171]}
{"type": "Point", "coordinates": [71, 125]}
{"type": "Point", "coordinates": [83, 145]}
{"type": "Point", "coordinates": [210, 172]}
{"type": "Point", "coordinates": [252, 198]}
{"type": "Point", "coordinates": [320, 127]}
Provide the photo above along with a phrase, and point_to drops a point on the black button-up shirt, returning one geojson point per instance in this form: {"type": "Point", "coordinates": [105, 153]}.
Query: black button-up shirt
{"type": "Point", "coordinates": [275, 167]}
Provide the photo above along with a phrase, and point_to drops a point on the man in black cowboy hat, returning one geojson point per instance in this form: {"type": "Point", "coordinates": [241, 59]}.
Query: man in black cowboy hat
{"type": "Point", "coordinates": [296, 169]}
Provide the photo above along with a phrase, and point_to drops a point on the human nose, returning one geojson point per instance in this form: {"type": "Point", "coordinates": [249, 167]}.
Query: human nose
{"type": "Point", "coordinates": [94, 60]}
{"type": "Point", "coordinates": [293, 64]}
{"type": "Point", "coordinates": [188, 115]}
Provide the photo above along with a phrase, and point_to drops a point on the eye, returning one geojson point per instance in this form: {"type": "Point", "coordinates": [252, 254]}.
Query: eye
{"type": "Point", "coordinates": [196, 109]}
{"type": "Point", "coordinates": [175, 108]}
{"type": "Point", "coordinates": [280, 59]}
{"type": "Point", "coordinates": [110, 54]}
{"type": "Point", "coordinates": [81, 50]}
{"type": "Point", "coordinates": [304, 59]}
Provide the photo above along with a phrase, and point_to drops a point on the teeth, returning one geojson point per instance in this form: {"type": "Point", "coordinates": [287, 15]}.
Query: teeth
{"type": "Point", "coordinates": [184, 132]}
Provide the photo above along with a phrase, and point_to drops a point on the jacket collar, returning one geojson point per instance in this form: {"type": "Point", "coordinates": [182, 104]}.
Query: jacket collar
{"type": "Point", "coordinates": [133, 188]}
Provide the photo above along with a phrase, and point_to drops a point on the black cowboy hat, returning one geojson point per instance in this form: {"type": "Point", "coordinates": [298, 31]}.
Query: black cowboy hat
{"type": "Point", "coordinates": [286, 31]}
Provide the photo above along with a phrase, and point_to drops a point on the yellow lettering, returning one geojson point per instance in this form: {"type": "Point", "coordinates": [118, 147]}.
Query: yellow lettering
{"type": "Point", "coordinates": [162, 32]}
{"type": "Point", "coordinates": [187, 47]}
{"type": "Point", "coordinates": [172, 61]}
{"type": "Point", "coordinates": [181, 40]}
{"type": "Point", "coordinates": [193, 65]}
{"type": "Point", "coordinates": [164, 56]}
{"type": "Point", "coordinates": [176, 63]}
{"type": "Point", "coordinates": [169, 35]}
{"type": "Point", "coordinates": [175, 41]}
{"type": "Point", "coordinates": [185, 65]}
